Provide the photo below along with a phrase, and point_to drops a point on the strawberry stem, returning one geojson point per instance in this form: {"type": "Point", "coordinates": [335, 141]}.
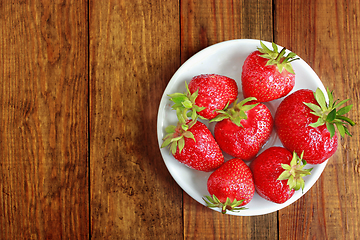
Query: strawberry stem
{"type": "Point", "coordinates": [328, 113]}
{"type": "Point", "coordinates": [237, 112]}
{"type": "Point", "coordinates": [294, 172]}
{"type": "Point", "coordinates": [214, 202]}
{"type": "Point", "coordinates": [279, 59]}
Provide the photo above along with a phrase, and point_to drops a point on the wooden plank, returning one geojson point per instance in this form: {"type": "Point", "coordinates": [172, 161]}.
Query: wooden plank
{"type": "Point", "coordinates": [134, 51]}
{"type": "Point", "coordinates": [43, 120]}
{"type": "Point", "coordinates": [325, 34]}
{"type": "Point", "coordinates": [204, 23]}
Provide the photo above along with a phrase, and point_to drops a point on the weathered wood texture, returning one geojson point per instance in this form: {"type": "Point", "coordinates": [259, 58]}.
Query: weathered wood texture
{"type": "Point", "coordinates": [204, 23]}
{"type": "Point", "coordinates": [43, 120]}
{"type": "Point", "coordinates": [80, 87]}
{"type": "Point", "coordinates": [326, 35]}
{"type": "Point", "coordinates": [134, 51]}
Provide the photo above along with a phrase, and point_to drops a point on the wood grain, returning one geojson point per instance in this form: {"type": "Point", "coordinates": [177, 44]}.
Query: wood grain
{"type": "Point", "coordinates": [43, 120]}
{"type": "Point", "coordinates": [326, 35]}
{"type": "Point", "coordinates": [204, 24]}
{"type": "Point", "coordinates": [134, 51]}
{"type": "Point", "coordinates": [81, 83]}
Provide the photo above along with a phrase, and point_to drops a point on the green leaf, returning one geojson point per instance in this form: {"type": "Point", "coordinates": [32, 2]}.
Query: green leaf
{"type": "Point", "coordinates": [198, 109]}
{"type": "Point", "coordinates": [314, 107]}
{"type": "Point", "coordinates": [331, 129]}
{"type": "Point", "coordinates": [286, 166]}
{"type": "Point", "coordinates": [219, 118]}
{"type": "Point", "coordinates": [318, 123]}
{"type": "Point", "coordinates": [243, 115]}
{"type": "Point", "coordinates": [346, 119]}
{"type": "Point", "coordinates": [194, 95]}
{"type": "Point", "coordinates": [331, 116]}
{"type": "Point", "coordinates": [291, 182]}
{"type": "Point", "coordinates": [166, 142]}
{"type": "Point", "coordinates": [181, 144]}
{"type": "Point", "coordinates": [173, 147]}
{"type": "Point", "coordinates": [237, 121]}
{"type": "Point", "coordinates": [344, 110]}
{"type": "Point", "coordinates": [291, 55]}
{"type": "Point", "coordinates": [179, 114]}
{"type": "Point", "coordinates": [189, 134]}
{"type": "Point", "coordinates": [176, 139]}
{"type": "Point", "coordinates": [294, 160]}
{"type": "Point", "coordinates": [331, 98]}
{"type": "Point", "coordinates": [341, 103]}
{"type": "Point", "coordinates": [263, 46]}
{"type": "Point", "coordinates": [320, 98]}
{"type": "Point", "coordinates": [347, 131]}
{"type": "Point", "coordinates": [176, 95]}
{"type": "Point", "coordinates": [271, 62]}
{"type": "Point", "coordinates": [184, 127]}
{"type": "Point", "coordinates": [289, 68]}
{"type": "Point", "coordinates": [275, 47]}
{"type": "Point", "coordinates": [248, 107]}
{"type": "Point", "coordinates": [249, 99]}
{"type": "Point", "coordinates": [340, 128]}
{"type": "Point", "coordinates": [187, 103]}
{"type": "Point", "coordinates": [170, 129]}
{"type": "Point", "coordinates": [284, 175]}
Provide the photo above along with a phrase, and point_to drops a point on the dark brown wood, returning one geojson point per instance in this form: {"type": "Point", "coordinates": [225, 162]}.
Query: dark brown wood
{"type": "Point", "coordinates": [134, 51]}
{"type": "Point", "coordinates": [204, 23]}
{"type": "Point", "coordinates": [81, 83]}
{"type": "Point", "coordinates": [43, 120]}
{"type": "Point", "coordinates": [326, 35]}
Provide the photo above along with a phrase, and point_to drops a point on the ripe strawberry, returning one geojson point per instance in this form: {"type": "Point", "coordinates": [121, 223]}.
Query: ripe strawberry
{"type": "Point", "coordinates": [192, 143]}
{"type": "Point", "coordinates": [268, 74]}
{"type": "Point", "coordinates": [305, 122]}
{"type": "Point", "coordinates": [278, 174]}
{"type": "Point", "coordinates": [207, 93]}
{"type": "Point", "coordinates": [243, 129]}
{"type": "Point", "coordinates": [230, 186]}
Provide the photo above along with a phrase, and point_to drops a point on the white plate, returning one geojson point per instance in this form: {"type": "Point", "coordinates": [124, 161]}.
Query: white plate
{"type": "Point", "coordinates": [226, 58]}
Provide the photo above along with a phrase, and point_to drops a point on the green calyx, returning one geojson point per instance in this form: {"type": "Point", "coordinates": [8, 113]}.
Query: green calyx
{"type": "Point", "coordinates": [278, 58]}
{"type": "Point", "coordinates": [330, 113]}
{"type": "Point", "coordinates": [214, 202]}
{"type": "Point", "coordinates": [294, 172]}
{"type": "Point", "coordinates": [175, 137]}
{"type": "Point", "coordinates": [235, 113]}
{"type": "Point", "coordinates": [185, 103]}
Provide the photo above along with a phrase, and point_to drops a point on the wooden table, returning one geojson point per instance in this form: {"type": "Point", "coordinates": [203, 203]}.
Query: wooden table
{"type": "Point", "coordinates": [81, 83]}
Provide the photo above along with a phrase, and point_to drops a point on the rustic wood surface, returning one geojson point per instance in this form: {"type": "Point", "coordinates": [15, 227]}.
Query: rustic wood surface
{"type": "Point", "coordinates": [81, 83]}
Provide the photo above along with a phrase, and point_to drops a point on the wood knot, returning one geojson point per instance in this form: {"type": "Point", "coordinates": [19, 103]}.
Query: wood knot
{"type": "Point", "coordinates": [357, 168]}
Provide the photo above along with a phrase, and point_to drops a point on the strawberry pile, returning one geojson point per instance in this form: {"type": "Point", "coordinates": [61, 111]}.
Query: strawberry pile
{"type": "Point", "coordinates": [304, 122]}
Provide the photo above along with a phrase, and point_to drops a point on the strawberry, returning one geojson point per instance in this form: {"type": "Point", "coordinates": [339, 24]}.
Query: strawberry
{"type": "Point", "coordinates": [231, 186]}
{"type": "Point", "coordinates": [242, 130]}
{"type": "Point", "coordinates": [305, 122]}
{"type": "Point", "coordinates": [192, 144]}
{"type": "Point", "coordinates": [268, 74]}
{"type": "Point", "coordinates": [278, 174]}
{"type": "Point", "coordinates": [207, 93]}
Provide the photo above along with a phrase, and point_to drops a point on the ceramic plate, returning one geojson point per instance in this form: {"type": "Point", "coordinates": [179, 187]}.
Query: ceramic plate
{"type": "Point", "coordinates": [226, 58]}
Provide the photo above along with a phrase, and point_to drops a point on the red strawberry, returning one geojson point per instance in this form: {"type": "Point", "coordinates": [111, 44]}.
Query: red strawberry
{"type": "Point", "coordinates": [243, 129]}
{"type": "Point", "coordinates": [207, 93]}
{"type": "Point", "coordinates": [305, 122]}
{"type": "Point", "coordinates": [193, 144]}
{"type": "Point", "coordinates": [268, 74]}
{"type": "Point", "coordinates": [278, 174]}
{"type": "Point", "coordinates": [230, 186]}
